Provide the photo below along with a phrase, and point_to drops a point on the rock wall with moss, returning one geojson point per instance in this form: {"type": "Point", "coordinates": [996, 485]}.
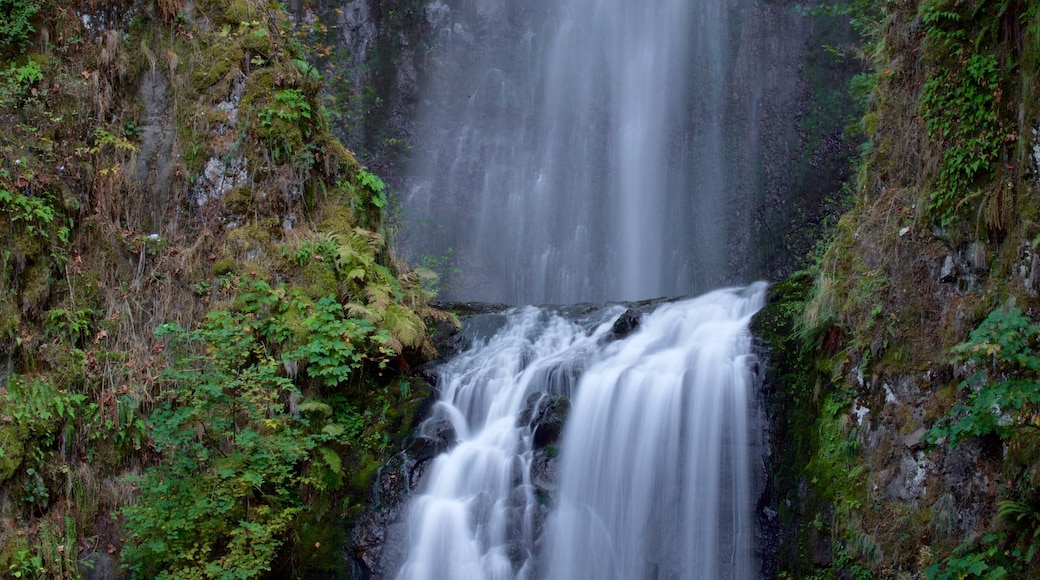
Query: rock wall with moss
{"type": "Point", "coordinates": [905, 374]}
{"type": "Point", "coordinates": [205, 335]}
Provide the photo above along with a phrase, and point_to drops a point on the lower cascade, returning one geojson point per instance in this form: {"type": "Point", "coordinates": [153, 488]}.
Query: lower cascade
{"type": "Point", "coordinates": [653, 476]}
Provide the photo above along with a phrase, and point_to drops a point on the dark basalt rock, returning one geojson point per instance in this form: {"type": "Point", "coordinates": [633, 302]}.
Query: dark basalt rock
{"type": "Point", "coordinates": [629, 322]}
{"type": "Point", "coordinates": [546, 415]}
{"type": "Point", "coordinates": [464, 309]}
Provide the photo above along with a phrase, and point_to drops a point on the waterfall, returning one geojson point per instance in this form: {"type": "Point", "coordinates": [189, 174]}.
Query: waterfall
{"type": "Point", "coordinates": [654, 470]}
{"type": "Point", "coordinates": [656, 475]}
{"type": "Point", "coordinates": [594, 150]}
{"type": "Point", "coordinates": [571, 151]}
{"type": "Point", "coordinates": [476, 515]}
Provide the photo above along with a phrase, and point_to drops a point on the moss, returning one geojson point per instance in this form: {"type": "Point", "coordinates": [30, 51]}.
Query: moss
{"type": "Point", "coordinates": [338, 219]}
{"type": "Point", "coordinates": [35, 286]}
{"type": "Point", "coordinates": [939, 404]}
{"type": "Point", "coordinates": [318, 280]}
{"type": "Point", "coordinates": [790, 400]}
{"type": "Point", "coordinates": [239, 199]}
{"type": "Point", "coordinates": [223, 266]}
{"type": "Point", "coordinates": [361, 479]}
{"type": "Point", "coordinates": [11, 451]}
{"type": "Point", "coordinates": [342, 160]}
{"type": "Point", "coordinates": [243, 11]}
{"type": "Point", "coordinates": [256, 39]}
{"type": "Point", "coordinates": [216, 62]}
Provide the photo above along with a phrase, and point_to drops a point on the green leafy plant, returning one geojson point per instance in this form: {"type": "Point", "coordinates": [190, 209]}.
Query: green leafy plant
{"type": "Point", "coordinates": [289, 105]}
{"type": "Point", "coordinates": [1023, 519]}
{"type": "Point", "coordinates": [25, 564]}
{"type": "Point", "coordinates": [286, 124]}
{"type": "Point", "coordinates": [984, 559]}
{"type": "Point", "coordinates": [239, 442]}
{"type": "Point", "coordinates": [374, 186]}
{"type": "Point", "coordinates": [963, 105]}
{"type": "Point", "coordinates": [960, 111]}
{"type": "Point", "coordinates": [1003, 391]}
{"type": "Point", "coordinates": [16, 22]}
{"type": "Point", "coordinates": [34, 211]}
{"type": "Point", "coordinates": [16, 81]}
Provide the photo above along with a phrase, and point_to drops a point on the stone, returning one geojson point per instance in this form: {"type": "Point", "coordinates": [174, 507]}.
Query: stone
{"type": "Point", "coordinates": [546, 415]}
{"type": "Point", "coordinates": [978, 256]}
{"type": "Point", "coordinates": [915, 440]}
{"type": "Point", "coordinates": [949, 270]}
{"type": "Point", "coordinates": [98, 566]}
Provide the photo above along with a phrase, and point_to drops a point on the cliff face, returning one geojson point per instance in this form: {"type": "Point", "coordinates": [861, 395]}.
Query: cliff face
{"type": "Point", "coordinates": [203, 327]}
{"type": "Point", "coordinates": [907, 386]}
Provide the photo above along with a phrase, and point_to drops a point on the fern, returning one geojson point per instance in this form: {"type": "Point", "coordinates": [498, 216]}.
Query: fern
{"type": "Point", "coordinates": [404, 326]}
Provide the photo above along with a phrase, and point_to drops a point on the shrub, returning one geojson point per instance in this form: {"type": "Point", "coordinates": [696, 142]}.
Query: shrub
{"type": "Point", "coordinates": [16, 23]}
{"type": "Point", "coordinates": [239, 443]}
{"type": "Point", "coordinates": [1004, 389]}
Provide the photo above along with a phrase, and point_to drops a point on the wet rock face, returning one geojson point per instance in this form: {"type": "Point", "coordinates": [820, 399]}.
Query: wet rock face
{"type": "Point", "coordinates": [380, 535]}
{"type": "Point", "coordinates": [156, 149]}
{"type": "Point", "coordinates": [545, 414]}
{"type": "Point", "coordinates": [629, 321]}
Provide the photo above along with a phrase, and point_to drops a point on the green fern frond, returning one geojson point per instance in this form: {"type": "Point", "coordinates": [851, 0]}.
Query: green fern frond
{"type": "Point", "coordinates": [406, 327]}
{"type": "Point", "coordinates": [379, 298]}
{"type": "Point", "coordinates": [355, 310]}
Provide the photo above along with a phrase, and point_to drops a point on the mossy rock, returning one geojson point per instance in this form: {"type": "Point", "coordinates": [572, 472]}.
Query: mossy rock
{"type": "Point", "coordinates": [257, 39]}
{"type": "Point", "coordinates": [339, 219]}
{"type": "Point", "coordinates": [318, 280]}
{"type": "Point", "coordinates": [238, 11]}
{"type": "Point", "coordinates": [239, 200]}
{"type": "Point", "coordinates": [223, 266]}
{"type": "Point", "coordinates": [342, 161]}
{"type": "Point", "coordinates": [11, 451]}
{"type": "Point", "coordinates": [35, 285]}
{"type": "Point", "coordinates": [775, 322]}
{"type": "Point", "coordinates": [217, 61]}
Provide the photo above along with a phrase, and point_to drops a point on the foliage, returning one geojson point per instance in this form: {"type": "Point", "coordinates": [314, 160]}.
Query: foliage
{"type": "Point", "coordinates": [264, 449]}
{"type": "Point", "coordinates": [239, 441]}
{"type": "Point", "coordinates": [1022, 518]}
{"type": "Point", "coordinates": [16, 22]}
{"type": "Point", "coordinates": [289, 105]}
{"type": "Point", "coordinates": [865, 16]}
{"type": "Point", "coordinates": [984, 560]}
{"type": "Point", "coordinates": [286, 124]}
{"type": "Point", "coordinates": [35, 211]}
{"type": "Point", "coordinates": [1004, 388]}
{"type": "Point", "coordinates": [374, 186]}
{"type": "Point", "coordinates": [960, 108]}
{"type": "Point", "coordinates": [16, 81]}
{"type": "Point", "coordinates": [962, 100]}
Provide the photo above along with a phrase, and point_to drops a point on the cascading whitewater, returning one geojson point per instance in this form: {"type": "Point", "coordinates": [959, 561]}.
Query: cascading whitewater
{"type": "Point", "coordinates": [656, 479]}
{"type": "Point", "coordinates": [655, 474]}
{"type": "Point", "coordinates": [593, 150]}
{"type": "Point", "coordinates": [475, 517]}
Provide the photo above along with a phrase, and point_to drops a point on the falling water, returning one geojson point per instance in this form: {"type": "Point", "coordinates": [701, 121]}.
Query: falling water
{"type": "Point", "coordinates": [476, 516]}
{"type": "Point", "coordinates": [656, 477]}
{"type": "Point", "coordinates": [592, 150]}
{"type": "Point", "coordinates": [655, 474]}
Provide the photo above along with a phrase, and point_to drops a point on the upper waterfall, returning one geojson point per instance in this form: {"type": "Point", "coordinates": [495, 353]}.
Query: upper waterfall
{"type": "Point", "coordinates": [593, 150]}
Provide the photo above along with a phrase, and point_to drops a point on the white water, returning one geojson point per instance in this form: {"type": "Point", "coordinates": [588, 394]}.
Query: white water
{"type": "Point", "coordinates": [656, 477]}
{"type": "Point", "coordinates": [593, 150]}
{"type": "Point", "coordinates": [655, 465]}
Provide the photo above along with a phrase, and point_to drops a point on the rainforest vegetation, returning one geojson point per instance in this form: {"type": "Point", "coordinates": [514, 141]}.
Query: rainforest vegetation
{"type": "Point", "coordinates": [205, 335]}
{"type": "Point", "coordinates": [207, 341]}
{"type": "Point", "coordinates": [905, 354]}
